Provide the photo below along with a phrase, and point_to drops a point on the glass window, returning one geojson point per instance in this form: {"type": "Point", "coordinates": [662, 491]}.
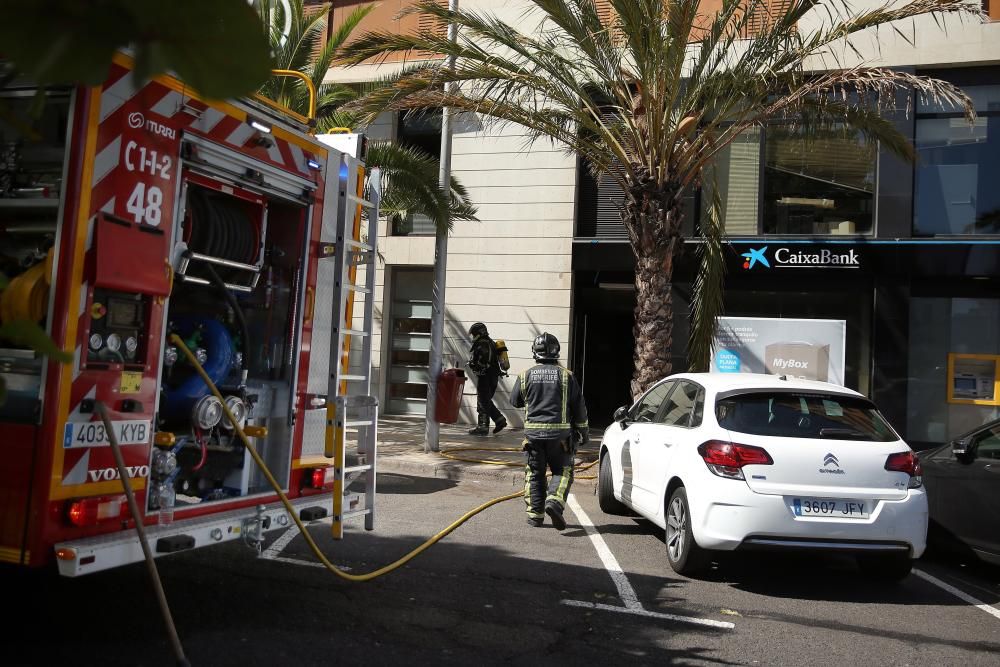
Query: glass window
{"type": "Point", "coordinates": [958, 167]}
{"type": "Point", "coordinates": [939, 326]}
{"type": "Point", "coordinates": [791, 415]}
{"type": "Point", "coordinates": [737, 172]}
{"type": "Point", "coordinates": [818, 181]}
{"type": "Point", "coordinates": [410, 344]}
{"type": "Point", "coordinates": [988, 444]}
{"type": "Point", "coordinates": [699, 409]}
{"type": "Point", "coordinates": [420, 130]}
{"type": "Point", "coordinates": [679, 407]}
{"type": "Point", "coordinates": [649, 405]}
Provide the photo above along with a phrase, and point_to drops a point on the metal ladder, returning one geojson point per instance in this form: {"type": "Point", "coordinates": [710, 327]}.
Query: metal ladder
{"type": "Point", "coordinates": [355, 411]}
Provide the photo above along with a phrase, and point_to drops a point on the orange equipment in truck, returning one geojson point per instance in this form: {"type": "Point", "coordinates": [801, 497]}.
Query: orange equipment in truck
{"type": "Point", "coordinates": [128, 214]}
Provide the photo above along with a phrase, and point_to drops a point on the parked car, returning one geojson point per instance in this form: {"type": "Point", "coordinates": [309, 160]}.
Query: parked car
{"type": "Point", "coordinates": [963, 487]}
{"type": "Point", "coordinates": [739, 461]}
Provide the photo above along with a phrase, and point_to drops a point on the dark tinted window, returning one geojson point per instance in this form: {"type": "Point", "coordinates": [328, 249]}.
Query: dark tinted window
{"type": "Point", "coordinates": [987, 444]}
{"type": "Point", "coordinates": [649, 405]}
{"type": "Point", "coordinates": [699, 409]}
{"type": "Point", "coordinates": [803, 416]}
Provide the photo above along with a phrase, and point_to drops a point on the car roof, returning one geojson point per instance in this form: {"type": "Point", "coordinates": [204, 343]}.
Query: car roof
{"type": "Point", "coordinates": [726, 382]}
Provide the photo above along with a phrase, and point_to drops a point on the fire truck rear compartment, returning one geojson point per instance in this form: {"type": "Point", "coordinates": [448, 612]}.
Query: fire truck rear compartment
{"type": "Point", "coordinates": [235, 304]}
{"type": "Point", "coordinates": [32, 155]}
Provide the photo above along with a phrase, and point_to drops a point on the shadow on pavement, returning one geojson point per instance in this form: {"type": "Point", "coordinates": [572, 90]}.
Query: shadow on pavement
{"type": "Point", "coordinates": [410, 484]}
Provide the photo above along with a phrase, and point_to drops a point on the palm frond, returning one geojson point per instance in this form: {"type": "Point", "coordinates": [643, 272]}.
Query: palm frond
{"type": "Point", "coordinates": [410, 183]}
{"type": "Point", "coordinates": [707, 294]}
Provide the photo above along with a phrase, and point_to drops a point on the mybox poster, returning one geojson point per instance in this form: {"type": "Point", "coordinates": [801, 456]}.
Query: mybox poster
{"type": "Point", "coordinates": [808, 349]}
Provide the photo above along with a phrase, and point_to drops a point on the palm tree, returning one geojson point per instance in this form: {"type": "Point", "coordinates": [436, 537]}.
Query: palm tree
{"type": "Point", "coordinates": [410, 177]}
{"type": "Point", "coordinates": [651, 95]}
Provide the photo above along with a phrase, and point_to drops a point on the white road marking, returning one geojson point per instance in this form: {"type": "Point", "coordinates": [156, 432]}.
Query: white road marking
{"type": "Point", "coordinates": [961, 595]}
{"type": "Point", "coordinates": [279, 544]}
{"type": "Point", "coordinates": [625, 590]}
{"type": "Point", "coordinates": [306, 563]}
{"type": "Point", "coordinates": [651, 614]}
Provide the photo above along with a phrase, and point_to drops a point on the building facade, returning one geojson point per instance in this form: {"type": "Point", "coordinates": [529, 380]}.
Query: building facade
{"type": "Point", "coordinates": [919, 289]}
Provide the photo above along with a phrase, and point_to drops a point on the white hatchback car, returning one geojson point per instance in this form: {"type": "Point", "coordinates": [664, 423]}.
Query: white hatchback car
{"type": "Point", "coordinates": [741, 461]}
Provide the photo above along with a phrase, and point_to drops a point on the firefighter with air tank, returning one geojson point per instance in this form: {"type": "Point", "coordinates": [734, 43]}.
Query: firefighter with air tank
{"type": "Point", "coordinates": [555, 419]}
{"type": "Point", "coordinates": [485, 361]}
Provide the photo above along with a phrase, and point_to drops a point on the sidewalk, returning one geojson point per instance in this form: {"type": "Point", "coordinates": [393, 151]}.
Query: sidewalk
{"type": "Point", "coordinates": [401, 450]}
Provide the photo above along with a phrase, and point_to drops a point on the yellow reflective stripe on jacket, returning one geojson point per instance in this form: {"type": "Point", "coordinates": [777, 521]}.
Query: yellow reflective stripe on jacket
{"type": "Point", "coordinates": [538, 426]}
{"type": "Point", "coordinates": [585, 424]}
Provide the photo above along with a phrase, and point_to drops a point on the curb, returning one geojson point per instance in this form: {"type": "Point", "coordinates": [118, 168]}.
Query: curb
{"type": "Point", "coordinates": [433, 465]}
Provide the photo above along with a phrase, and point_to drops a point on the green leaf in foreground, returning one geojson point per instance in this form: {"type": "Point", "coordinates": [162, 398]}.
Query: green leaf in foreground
{"type": "Point", "coordinates": [23, 332]}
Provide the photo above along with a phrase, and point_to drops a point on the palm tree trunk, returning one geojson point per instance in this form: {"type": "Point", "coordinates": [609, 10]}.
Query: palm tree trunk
{"type": "Point", "coordinates": [656, 218]}
{"type": "Point", "coordinates": [654, 320]}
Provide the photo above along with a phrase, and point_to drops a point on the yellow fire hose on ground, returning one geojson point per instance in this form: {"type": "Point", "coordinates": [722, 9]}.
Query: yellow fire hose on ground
{"type": "Point", "coordinates": [176, 340]}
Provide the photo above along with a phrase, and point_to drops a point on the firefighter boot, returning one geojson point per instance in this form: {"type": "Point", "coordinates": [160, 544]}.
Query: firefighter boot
{"type": "Point", "coordinates": [501, 425]}
{"type": "Point", "coordinates": [555, 513]}
{"type": "Point", "coordinates": [483, 428]}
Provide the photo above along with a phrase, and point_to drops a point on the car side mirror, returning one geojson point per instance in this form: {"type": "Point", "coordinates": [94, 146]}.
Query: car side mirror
{"type": "Point", "coordinates": [621, 415]}
{"type": "Point", "coordinates": [962, 449]}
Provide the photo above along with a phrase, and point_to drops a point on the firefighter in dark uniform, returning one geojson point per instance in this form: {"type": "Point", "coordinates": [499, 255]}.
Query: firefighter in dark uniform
{"type": "Point", "coordinates": [555, 416]}
{"type": "Point", "coordinates": [483, 361]}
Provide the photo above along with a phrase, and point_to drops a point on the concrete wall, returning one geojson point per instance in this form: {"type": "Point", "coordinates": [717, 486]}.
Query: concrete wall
{"type": "Point", "coordinates": [511, 269]}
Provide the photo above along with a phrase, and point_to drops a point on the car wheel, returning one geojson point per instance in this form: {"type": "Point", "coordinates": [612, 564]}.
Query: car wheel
{"type": "Point", "coordinates": [683, 553]}
{"type": "Point", "coordinates": [890, 568]}
{"type": "Point", "coordinates": [606, 490]}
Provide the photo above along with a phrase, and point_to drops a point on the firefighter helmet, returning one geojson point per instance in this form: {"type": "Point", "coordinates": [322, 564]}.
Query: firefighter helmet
{"type": "Point", "coordinates": [478, 329]}
{"type": "Point", "coordinates": [545, 347]}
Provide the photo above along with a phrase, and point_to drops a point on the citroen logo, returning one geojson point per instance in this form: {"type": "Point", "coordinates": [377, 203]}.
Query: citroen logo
{"type": "Point", "coordinates": [830, 458]}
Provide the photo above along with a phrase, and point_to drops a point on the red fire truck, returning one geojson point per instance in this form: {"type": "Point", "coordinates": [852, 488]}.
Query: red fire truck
{"type": "Point", "coordinates": [133, 211]}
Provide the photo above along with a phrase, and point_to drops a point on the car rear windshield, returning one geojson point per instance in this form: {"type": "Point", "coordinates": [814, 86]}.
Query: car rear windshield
{"type": "Point", "coordinates": [792, 415]}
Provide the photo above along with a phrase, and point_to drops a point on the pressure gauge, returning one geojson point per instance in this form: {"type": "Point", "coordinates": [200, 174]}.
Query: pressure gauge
{"type": "Point", "coordinates": [96, 342]}
{"type": "Point", "coordinates": [114, 342]}
{"type": "Point", "coordinates": [131, 345]}
{"type": "Point", "coordinates": [170, 356]}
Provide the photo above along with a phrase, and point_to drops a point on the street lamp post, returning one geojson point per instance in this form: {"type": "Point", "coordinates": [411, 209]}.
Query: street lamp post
{"type": "Point", "coordinates": [433, 431]}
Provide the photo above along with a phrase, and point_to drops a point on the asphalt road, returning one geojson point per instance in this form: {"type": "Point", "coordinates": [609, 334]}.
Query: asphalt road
{"type": "Point", "coordinates": [498, 591]}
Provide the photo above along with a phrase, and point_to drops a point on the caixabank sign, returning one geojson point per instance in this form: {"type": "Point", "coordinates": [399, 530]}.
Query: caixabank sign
{"type": "Point", "coordinates": [762, 257]}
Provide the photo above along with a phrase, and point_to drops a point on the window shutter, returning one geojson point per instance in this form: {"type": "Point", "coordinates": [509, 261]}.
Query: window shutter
{"type": "Point", "coordinates": [431, 24]}
{"type": "Point", "coordinates": [763, 17]}
{"type": "Point", "coordinates": [599, 212]}
{"type": "Point", "coordinates": [605, 11]}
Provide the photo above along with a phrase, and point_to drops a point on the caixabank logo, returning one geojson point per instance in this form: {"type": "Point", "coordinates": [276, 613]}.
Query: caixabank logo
{"type": "Point", "coordinates": [784, 257]}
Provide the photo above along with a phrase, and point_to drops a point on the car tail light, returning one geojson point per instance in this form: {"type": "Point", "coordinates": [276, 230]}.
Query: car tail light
{"type": "Point", "coordinates": [909, 463]}
{"type": "Point", "coordinates": [726, 459]}
{"type": "Point", "coordinates": [92, 511]}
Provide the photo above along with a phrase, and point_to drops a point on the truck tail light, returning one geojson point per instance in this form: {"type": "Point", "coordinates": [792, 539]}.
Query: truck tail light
{"type": "Point", "coordinates": [92, 511]}
{"type": "Point", "coordinates": [726, 459]}
{"type": "Point", "coordinates": [317, 479]}
{"type": "Point", "coordinates": [909, 463]}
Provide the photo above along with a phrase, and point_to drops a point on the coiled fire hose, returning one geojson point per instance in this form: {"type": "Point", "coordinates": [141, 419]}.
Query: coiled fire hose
{"type": "Point", "coordinates": [176, 340]}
